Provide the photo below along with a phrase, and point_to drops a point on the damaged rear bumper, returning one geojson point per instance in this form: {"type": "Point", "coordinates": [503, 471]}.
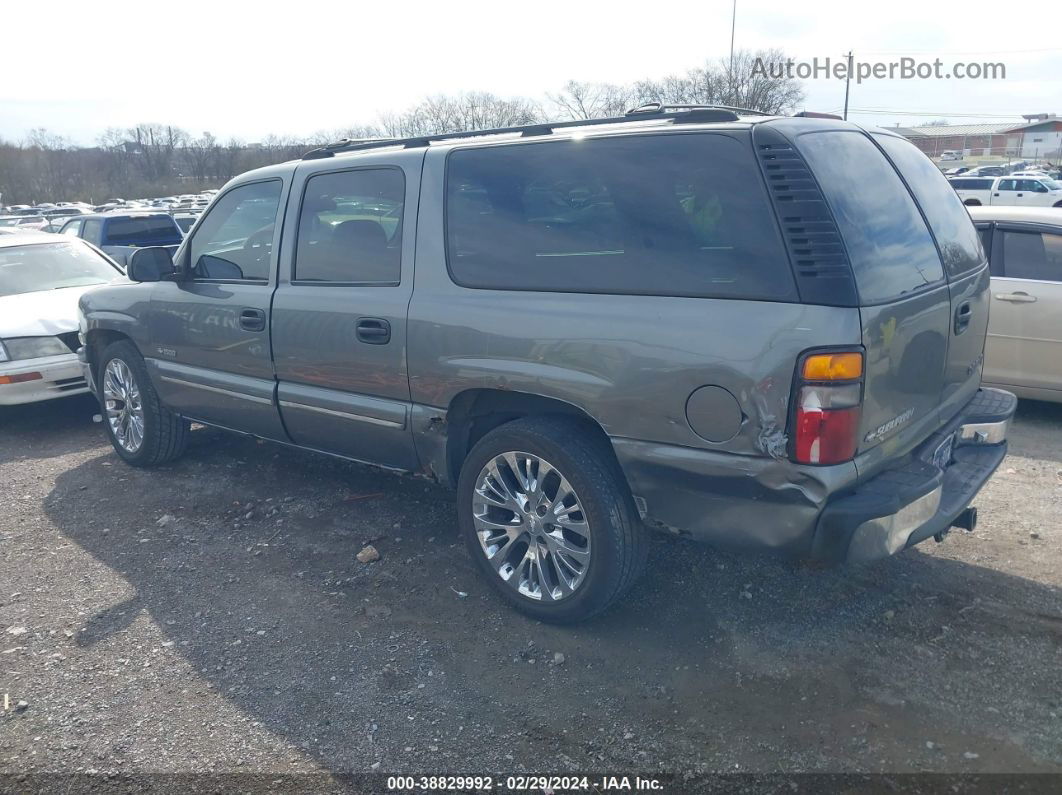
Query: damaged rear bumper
{"type": "Point", "coordinates": [923, 495]}
{"type": "Point", "coordinates": [820, 512]}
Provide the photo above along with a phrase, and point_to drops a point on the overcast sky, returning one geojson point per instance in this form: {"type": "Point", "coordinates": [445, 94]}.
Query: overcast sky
{"type": "Point", "coordinates": [247, 69]}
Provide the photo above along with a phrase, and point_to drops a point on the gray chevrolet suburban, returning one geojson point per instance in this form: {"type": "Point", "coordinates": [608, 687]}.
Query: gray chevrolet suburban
{"type": "Point", "coordinates": [760, 332]}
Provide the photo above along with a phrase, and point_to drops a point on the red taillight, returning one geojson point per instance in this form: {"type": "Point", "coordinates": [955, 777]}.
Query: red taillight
{"type": "Point", "coordinates": [827, 415]}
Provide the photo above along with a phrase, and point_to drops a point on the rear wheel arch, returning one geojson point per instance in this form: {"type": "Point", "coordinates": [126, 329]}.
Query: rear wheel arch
{"type": "Point", "coordinates": [474, 413]}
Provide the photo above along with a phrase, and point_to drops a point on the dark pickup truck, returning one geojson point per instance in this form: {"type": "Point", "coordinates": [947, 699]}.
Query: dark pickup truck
{"type": "Point", "coordinates": [120, 234]}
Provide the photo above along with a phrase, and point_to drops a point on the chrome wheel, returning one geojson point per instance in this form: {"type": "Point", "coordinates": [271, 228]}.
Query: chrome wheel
{"type": "Point", "coordinates": [531, 526]}
{"type": "Point", "coordinates": [121, 399]}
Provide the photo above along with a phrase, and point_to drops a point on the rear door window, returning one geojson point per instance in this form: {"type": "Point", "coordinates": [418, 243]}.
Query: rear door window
{"type": "Point", "coordinates": [948, 218]}
{"type": "Point", "coordinates": [1032, 255]}
{"type": "Point", "coordinates": [677, 214]}
{"type": "Point", "coordinates": [888, 243]}
{"type": "Point", "coordinates": [145, 230]}
{"type": "Point", "coordinates": [350, 227]}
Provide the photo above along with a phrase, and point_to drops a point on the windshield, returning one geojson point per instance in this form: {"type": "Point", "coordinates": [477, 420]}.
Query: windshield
{"type": "Point", "coordinates": [1052, 184]}
{"type": "Point", "coordinates": [51, 266]}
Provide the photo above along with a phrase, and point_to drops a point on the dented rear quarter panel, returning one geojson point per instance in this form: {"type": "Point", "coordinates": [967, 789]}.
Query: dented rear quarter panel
{"type": "Point", "coordinates": [631, 363]}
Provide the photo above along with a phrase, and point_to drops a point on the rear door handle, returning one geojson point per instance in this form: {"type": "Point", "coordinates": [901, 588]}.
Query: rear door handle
{"type": "Point", "coordinates": [373, 330]}
{"type": "Point", "coordinates": [962, 317]}
{"type": "Point", "coordinates": [252, 319]}
{"type": "Point", "coordinates": [1016, 298]}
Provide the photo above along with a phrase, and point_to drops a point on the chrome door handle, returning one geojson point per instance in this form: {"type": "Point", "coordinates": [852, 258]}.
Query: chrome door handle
{"type": "Point", "coordinates": [1016, 298]}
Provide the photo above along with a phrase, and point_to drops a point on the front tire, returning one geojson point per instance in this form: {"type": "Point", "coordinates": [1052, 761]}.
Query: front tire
{"type": "Point", "coordinates": [142, 431]}
{"type": "Point", "coordinates": [549, 519]}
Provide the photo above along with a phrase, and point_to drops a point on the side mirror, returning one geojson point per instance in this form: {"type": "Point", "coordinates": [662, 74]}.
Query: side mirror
{"type": "Point", "coordinates": [151, 264]}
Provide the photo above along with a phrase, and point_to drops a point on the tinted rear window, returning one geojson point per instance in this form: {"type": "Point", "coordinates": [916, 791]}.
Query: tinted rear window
{"type": "Point", "coordinates": [129, 231]}
{"type": "Point", "coordinates": [888, 243]}
{"type": "Point", "coordinates": [678, 214]}
{"type": "Point", "coordinates": [1032, 255]}
{"type": "Point", "coordinates": [948, 218]}
{"type": "Point", "coordinates": [972, 183]}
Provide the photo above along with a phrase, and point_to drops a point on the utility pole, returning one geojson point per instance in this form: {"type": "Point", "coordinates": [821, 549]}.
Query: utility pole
{"type": "Point", "coordinates": [733, 24]}
{"type": "Point", "coordinates": [847, 82]}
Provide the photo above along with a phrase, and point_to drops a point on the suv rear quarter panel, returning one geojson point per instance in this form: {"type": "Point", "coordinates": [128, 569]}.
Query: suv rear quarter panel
{"type": "Point", "coordinates": [631, 363]}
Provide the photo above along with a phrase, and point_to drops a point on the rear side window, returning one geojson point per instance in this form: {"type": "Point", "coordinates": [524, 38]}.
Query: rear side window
{"type": "Point", "coordinates": [350, 227]}
{"type": "Point", "coordinates": [141, 230]}
{"type": "Point", "coordinates": [678, 214]}
{"type": "Point", "coordinates": [92, 230]}
{"type": "Point", "coordinates": [948, 218]}
{"type": "Point", "coordinates": [888, 243]}
{"type": "Point", "coordinates": [1032, 255]}
{"type": "Point", "coordinates": [971, 184]}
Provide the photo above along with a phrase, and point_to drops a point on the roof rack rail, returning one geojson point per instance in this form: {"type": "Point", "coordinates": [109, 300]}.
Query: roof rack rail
{"type": "Point", "coordinates": [666, 107]}
{"type": "Point", "coordinates": [677, 113]}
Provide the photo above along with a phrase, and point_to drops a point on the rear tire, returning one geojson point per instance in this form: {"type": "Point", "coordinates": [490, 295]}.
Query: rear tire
{"type": "Point", "coordinates": [142, 431]}
{"type": "Point", "coordinates": [555, 531]}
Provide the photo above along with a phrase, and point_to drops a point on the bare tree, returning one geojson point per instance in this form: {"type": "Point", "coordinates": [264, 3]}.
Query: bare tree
{"type": "Point", "coordinates": [156, 147]}
{"type": "Point", "coordinates": [156, 159]}
{"type": "Point", "coordinates": [199, 156]}
{"type": "Point", "coordinates": [578, 100]}
{"type": "Point", "coordinates": [718, 84]}
{"type": "Point", "coordinates": [747, 87]}
{"type": "Point", "coordinates": [458, 113]}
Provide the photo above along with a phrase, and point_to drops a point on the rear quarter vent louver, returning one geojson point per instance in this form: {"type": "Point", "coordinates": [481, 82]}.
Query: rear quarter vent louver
{"type": "Point", "coordinates": [816, 251]}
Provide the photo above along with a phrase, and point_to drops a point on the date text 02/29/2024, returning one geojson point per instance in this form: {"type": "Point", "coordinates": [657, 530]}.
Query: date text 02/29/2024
{"type": "Point", "coordinates": [552, 785]}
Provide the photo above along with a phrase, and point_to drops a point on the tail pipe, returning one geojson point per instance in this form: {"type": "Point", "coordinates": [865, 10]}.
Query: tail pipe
{"type": "Point", "coordinates": [967, 520]}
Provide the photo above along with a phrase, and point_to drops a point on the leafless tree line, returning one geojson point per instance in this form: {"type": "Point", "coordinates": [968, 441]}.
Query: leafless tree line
{"type": "Point", "coordinates": [159, 159]}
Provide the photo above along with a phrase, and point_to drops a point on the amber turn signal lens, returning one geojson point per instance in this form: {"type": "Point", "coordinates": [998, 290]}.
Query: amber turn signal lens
{"type": "Point", "coordinates": [833, 366]}
{"type": "Point", "coordinates": [19, 378]}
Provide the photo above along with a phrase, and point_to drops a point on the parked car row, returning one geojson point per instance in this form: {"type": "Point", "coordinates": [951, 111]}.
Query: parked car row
{"type": "Point", "coordinates": [47, 217]}
{"type": "Point", "coordinates": [1018, 169]}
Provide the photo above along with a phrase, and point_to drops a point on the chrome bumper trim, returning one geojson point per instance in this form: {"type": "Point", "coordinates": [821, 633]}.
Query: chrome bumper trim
{"type": "Point", "coordinates": [984, 432]}
{"type": "Point", "coordinates": [887, 535]}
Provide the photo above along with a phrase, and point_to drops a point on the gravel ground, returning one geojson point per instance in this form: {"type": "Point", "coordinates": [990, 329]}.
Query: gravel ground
{"type": "Point", "coordinates": [212, 616]}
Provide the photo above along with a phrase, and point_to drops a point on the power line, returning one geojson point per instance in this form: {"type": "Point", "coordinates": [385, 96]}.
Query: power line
{"type": "Point", "coordinates": [959, 114]}
{"type": "Point", "coordinates": [963, 52]}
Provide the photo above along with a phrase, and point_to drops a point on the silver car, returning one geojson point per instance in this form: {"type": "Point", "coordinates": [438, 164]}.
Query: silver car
{"type": "Point", "coordinates": [1024, 348]}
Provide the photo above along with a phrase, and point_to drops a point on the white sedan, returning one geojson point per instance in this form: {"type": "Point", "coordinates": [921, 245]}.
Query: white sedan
{"type": "Point", "coordinates": [41, 280]}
